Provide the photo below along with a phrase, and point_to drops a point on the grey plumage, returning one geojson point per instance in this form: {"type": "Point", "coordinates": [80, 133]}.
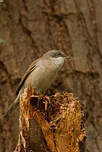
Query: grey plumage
{"type": "Point", "coordinates": [40, 75]}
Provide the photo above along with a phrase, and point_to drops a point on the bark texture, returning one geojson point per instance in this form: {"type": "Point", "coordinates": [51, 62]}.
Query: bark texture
{"type": "Point", "coordinates": [30, 28]}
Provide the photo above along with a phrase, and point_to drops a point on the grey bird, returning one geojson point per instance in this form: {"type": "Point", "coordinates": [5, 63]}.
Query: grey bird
{"type": "Point", "coordinates": [40, 75]}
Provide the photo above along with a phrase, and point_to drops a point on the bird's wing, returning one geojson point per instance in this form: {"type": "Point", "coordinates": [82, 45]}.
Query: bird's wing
{"type": "Point", "coordinates": [29, 70]}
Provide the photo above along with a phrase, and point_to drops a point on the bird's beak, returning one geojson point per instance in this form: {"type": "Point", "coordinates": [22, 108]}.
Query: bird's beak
{"type": "Point", "coordinates": [68, 57]}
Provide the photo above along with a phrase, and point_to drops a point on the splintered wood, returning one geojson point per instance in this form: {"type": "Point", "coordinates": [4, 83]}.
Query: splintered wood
{"type": "Point", "coordinates": [50, 123]}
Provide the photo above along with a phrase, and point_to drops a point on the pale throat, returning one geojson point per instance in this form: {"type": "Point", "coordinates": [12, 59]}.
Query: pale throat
{"type": "Point", "coordinates": [58, 62]}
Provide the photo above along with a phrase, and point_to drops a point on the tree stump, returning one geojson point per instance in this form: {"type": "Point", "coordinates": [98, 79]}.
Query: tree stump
{"type": "Point", "coordinates": [50, 123]}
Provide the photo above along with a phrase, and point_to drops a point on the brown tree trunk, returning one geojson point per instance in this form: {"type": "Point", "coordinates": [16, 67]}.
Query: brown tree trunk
{"type": "Point", "coordinates": [31, 27]}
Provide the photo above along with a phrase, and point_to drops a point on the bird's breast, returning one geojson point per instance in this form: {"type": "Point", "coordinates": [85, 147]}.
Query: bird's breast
{"type": "Point", "coordinates": [41, 77]}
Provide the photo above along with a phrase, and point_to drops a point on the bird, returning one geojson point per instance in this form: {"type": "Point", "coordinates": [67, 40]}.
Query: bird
{"type": "Point", "coordinates": [40, 75]}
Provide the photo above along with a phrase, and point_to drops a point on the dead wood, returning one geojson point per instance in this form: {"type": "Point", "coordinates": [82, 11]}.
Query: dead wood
{"type": "Point", "coordinates": [50, 124]}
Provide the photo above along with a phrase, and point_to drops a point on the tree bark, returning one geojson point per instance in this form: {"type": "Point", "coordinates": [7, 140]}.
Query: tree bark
{"type": "Point", "coordinates": [30, 28]}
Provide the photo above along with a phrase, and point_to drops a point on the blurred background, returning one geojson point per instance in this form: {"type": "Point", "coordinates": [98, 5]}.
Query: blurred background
{"type": "Point", "coordinates": [29, 28]}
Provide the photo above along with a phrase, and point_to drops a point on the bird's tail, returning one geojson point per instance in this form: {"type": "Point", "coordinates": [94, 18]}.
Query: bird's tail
{"type": "Point", "coordinates": [11, 108]}
{"type": "Point", "coordinates": [10, 111]}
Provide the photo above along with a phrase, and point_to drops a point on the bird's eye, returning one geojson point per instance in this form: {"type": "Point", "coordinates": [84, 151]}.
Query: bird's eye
{"type": "Point", "coordinates": [56, 55]}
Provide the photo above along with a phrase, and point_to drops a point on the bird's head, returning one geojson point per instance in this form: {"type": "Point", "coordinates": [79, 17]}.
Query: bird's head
{"type": "Point", "coordinates": [56, 56]}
